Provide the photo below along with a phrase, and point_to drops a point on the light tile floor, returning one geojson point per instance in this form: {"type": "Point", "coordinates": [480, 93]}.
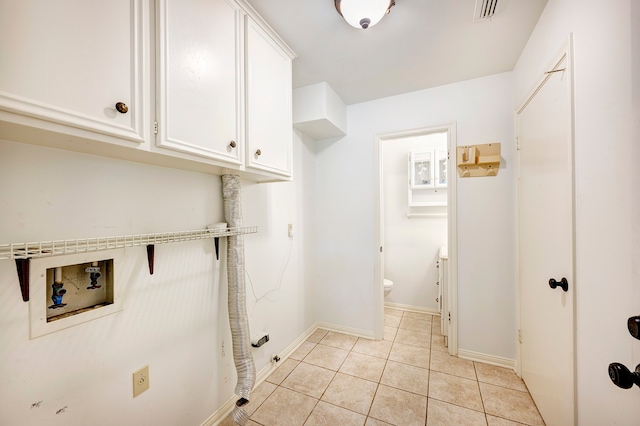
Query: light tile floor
{"type": "Point", "coordinates": [406, 379]}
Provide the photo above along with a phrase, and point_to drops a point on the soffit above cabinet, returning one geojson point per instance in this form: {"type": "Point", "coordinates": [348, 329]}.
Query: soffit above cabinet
{"type": "Point", "coordinates": [319, 112]}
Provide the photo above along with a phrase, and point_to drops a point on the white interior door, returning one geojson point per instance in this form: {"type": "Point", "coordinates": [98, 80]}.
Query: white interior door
{"type": "Point", "coordinates": [546, 246]}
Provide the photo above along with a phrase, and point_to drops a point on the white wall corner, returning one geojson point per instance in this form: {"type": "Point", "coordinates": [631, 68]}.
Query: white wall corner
{"type": "Point", "coordinates": [319, 112]}
{"type": "Point", "coordinates": [221, 414]}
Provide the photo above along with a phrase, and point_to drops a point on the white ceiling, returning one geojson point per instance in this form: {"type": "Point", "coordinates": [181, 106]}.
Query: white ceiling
{"type": "Point", "coordinates": [420, 44]}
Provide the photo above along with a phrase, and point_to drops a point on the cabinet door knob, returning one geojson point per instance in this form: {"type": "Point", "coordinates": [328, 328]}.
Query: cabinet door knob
{"type": "Point", "coordinates": [258, 152]}
{"type": "Point", "coordinates": [232, 144]}
{"type": "Point", "coordinates": [122, 108]}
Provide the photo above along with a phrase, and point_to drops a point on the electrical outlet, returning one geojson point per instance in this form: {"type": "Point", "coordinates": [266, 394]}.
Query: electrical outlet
{"type": "Point", "coordinates": [290, 230]}
{"type": "Point", "coordinates": [140, 380]}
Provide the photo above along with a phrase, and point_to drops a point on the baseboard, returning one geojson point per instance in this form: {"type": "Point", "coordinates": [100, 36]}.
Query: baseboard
{"type": "Point", "coordinates": [470, 355]}
{"type": "Point", "coordinates": [220, 414]}
{"type": "Point", "coordinates": [345, 330]}
{"type": "Point", "coordinates": [412, 308]}
{"type": "Point", "coordinates": [487, 359]}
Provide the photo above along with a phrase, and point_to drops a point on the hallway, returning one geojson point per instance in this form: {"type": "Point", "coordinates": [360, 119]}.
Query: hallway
{"type": "Point", "coordinates": [406, 379]}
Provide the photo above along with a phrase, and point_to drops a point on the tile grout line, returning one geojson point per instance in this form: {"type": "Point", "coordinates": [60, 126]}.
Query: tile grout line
{"type": "Point", "coordinates": [366, 416]}
{"type": "Point", "coordinates": [426, 414]}
{"type": "Point", "coordinates": [386, 359]}
{"type": "Point", "coordinates": [484, 410]}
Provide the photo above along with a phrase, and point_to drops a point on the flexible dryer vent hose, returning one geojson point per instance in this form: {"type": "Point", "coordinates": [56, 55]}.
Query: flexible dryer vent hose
{"type": "Point", "coordinates": [238, 320]}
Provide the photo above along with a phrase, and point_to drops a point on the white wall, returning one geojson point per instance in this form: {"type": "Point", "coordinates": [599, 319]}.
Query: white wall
{"type": "Point", "coordinates": [280, 266]}
{"type": "Point", "coordinates": [345, 199]}
{"type": "Point", "coordinates": [175, 321]}
{"type": "Point", "coordinates": [607, 205]}
{"type": "Point", "coordinates": [411, 244]}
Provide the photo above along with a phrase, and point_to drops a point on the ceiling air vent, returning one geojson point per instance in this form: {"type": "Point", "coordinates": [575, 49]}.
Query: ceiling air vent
{"type": "Point", "coordinates": [485, 9]}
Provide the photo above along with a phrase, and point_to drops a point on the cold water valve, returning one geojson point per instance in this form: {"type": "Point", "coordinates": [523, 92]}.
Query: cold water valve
{"type": "Point", "coordinates": [56, 296]}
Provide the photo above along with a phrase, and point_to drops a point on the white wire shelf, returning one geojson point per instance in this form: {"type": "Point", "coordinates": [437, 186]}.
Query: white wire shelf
{"type": "Point", "coordinates": [61, 247]}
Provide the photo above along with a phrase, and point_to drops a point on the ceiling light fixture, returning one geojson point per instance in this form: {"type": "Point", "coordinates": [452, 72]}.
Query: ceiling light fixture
{"type": "Point", "coordinates": [363, 13]}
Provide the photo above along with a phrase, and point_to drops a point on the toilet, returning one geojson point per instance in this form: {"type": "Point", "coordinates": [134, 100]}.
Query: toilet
{"type": "Point", "coordinates": [388, 285]}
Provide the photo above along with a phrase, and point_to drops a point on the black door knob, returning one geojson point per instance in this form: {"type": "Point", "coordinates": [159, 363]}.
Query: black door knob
{"type": "Point", "coordinates": [633, 324]}
{"type": "Point", "coordinates": [563, 284]}
{"type": "Point", "coordinates": [622, 377]}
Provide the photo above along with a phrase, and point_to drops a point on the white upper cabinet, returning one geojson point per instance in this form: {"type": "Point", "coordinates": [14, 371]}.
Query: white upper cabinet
{"type": "Point", "coordinates": [199, 78]}
{"type": "Point", "coordinates": [69, 62]}
{"type": "Point", "coordinates": [83, 75]}
{"type": "Point", "coordinates": [269, 110]}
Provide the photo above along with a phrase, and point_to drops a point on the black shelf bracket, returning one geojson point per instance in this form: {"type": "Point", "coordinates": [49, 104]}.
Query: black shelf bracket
{"type": "Point", "coordinates": [151, 251]}
{"type": "Point", "coordinates": [22, 265]}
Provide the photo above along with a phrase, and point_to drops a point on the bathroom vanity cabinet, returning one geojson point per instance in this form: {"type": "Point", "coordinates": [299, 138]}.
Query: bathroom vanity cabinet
{"type": "Point", "coordinates": [203, 86]}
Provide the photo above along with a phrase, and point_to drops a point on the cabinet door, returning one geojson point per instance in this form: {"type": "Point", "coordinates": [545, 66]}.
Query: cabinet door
{"type": "Point", "coordinates": [269, 114]}
{"type": "Point", "coordinates": [70, 62]}
{"type": "Point", "coordinates": [199, 80]}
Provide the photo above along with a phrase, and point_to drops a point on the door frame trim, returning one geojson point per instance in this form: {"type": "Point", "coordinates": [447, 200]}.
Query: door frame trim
{"type": "Point", "coordinates": [452, 226]}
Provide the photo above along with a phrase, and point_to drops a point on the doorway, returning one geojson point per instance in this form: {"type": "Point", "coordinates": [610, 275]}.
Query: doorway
{"type": "Point", "coordinates": [430, 195]}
